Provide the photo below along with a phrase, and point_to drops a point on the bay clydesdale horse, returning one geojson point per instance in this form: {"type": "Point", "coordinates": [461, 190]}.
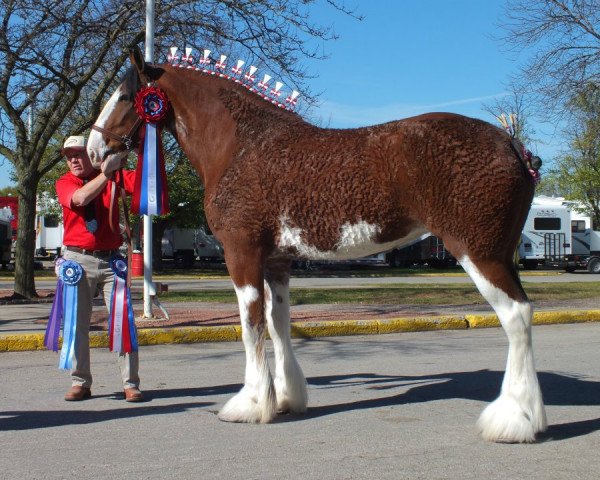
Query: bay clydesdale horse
{"type": "Point", "coordinates": [278, 188]}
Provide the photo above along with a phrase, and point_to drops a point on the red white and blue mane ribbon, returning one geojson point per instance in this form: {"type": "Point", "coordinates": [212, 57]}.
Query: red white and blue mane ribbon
{"type": "Point", "coordinates": [56, 312]}
{"type": "Point", "coordinates": [70, 275]}
{"type": "Point", "coordinates": [236, 74]}
{"type": "Point", "coordinates": [150, 196]}
{"type": "Point", "coordinates": [122, 336]}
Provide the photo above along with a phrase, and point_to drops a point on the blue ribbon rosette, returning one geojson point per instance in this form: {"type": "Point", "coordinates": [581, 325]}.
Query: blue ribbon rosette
{"type": "Point", "coordinates": [122, 335]}
{"type": "Point", "coordinates": [70, 274]}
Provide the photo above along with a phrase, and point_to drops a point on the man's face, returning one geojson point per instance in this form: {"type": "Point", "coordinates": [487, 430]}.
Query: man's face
{"type": "Point", "coordinates": [79, 163]}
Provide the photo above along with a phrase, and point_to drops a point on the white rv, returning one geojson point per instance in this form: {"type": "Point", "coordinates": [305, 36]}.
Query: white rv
{"type": "Point", "coordinates": [5, 236]}
{"type": "Point", "coordinates": [585, 250]}
{"type": "Point", "coordinates": [546, 236]}
{"type": "Point", "coordinates": [49, 236]}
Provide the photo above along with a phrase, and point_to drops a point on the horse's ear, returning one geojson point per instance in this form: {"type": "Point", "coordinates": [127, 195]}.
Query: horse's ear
{"type": "Point", "coordinates": [145, 70]}
{"type": "Point", "coordinates": [137, 60]}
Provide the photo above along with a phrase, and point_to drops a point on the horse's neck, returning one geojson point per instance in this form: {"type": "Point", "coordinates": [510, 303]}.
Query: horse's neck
{"type": "Point", "coordinates": [213, 121]}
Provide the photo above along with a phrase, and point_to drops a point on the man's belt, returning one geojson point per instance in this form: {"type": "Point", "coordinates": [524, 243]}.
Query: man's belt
{"type": "Point", "coordinates": [93, 253]}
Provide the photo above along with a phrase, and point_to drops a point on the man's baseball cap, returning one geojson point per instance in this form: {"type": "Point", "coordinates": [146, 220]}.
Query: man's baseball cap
{"type": "Point", "coordinates": [74, 143]}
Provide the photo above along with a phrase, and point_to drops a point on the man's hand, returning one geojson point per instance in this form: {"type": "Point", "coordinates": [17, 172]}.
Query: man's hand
{"type": "Point", "coordinates": [112, 164]}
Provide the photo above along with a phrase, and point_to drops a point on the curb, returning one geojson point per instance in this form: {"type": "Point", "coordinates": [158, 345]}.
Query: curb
{"type": "Point", "coordinates": [233, 333]}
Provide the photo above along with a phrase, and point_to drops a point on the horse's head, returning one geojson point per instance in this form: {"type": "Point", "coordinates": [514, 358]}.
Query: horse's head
{"type": "Point", "coordinates": [115, 131]}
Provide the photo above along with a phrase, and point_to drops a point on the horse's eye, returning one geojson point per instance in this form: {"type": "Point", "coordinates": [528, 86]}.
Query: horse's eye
{"type": "Point", "coordinates": [125, 98]}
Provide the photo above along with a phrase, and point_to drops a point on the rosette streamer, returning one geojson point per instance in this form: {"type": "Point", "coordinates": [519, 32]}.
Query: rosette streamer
{"type": "Point", "coordinates": [150, 196]}
{"type": "Point", "coordinates": [70, 275]}
{"type": "Point", "coordinates": [122, 336]}
{"type": "Point", "coordinates": [56, 312]}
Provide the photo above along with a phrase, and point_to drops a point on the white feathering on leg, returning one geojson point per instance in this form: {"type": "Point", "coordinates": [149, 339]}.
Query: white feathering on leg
{"type": "Point", "coordinates": [290, 384]}
{"type": "Point", "coordinates": [256, 402]}
{"type": "Point", "coordinates": [518, 413]}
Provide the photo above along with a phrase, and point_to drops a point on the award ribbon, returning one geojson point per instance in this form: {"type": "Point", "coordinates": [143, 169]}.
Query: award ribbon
{"type": "Point", "coordinates": [122, 335]}
{"type": "Point", "coordinates": [150, 196]}
{"type": "Point", "coordinates": [56, 312]}
{"type": "Point", "coordinates": [70, 274]}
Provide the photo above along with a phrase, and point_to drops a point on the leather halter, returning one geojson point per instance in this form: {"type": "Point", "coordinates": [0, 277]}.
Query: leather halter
{"type": "Point", "coordinates": [127, 140]}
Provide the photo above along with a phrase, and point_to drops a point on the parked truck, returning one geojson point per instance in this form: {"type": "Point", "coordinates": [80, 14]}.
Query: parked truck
{"type": "Point", "coordinates": [426, 250]}
{"type": "Point", "coordinates": [186, 245]}
{"type": "Point", "coordinates": [585, 253]}
{"type": "Point", "coordinates": [48, 229]}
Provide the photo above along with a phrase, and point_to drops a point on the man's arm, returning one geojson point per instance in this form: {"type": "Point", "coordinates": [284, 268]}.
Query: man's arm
{"type": "Point", "coordinates": [84, 195]}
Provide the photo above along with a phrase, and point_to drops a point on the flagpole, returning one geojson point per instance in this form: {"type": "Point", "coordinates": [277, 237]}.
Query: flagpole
{"type": "Point", "coordinates": [148, 284]}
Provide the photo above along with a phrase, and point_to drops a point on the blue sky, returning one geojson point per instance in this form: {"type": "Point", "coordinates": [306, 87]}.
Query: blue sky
{"type": "Point", "coordinates": [409, 57]}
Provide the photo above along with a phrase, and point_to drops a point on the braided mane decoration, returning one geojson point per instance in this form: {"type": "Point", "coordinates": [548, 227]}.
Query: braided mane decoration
{"type": "Point", "coordinates": [532, 162]}
{"type": "Point", "coordinates": [218, 68]}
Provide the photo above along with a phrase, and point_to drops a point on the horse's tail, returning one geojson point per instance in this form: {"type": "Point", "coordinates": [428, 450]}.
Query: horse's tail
{"type": "Point", "coordinates": [532, 162]}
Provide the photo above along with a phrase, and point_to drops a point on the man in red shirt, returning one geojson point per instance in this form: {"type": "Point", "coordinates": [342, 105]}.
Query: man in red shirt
{"type": "Point", "coordinates": [85, 196]}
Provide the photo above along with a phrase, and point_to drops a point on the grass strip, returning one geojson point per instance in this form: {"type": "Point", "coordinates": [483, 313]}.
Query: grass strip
{"type": "Point", "coordinates": [430, 294]}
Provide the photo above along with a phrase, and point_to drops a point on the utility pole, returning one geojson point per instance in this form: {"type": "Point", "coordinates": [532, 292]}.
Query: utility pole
{"type": "Point", "coordinates": [149, 288]}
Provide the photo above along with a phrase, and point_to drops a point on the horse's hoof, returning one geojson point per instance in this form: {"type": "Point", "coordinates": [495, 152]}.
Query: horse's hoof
{"type": "Point", "coordinates": [504, 421]}
{"type": "Point", "coordinates": [244, 408]}
{"type": "Point", "coordinates": [292, 402]}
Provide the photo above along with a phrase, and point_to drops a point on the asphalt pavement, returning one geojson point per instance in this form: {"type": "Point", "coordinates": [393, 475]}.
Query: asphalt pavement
{"type": "Point", "coordinates": [398, 406]}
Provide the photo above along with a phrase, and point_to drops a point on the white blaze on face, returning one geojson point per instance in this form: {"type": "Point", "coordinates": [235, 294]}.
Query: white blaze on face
{"type": "Point", "coordinates": [96, 146]}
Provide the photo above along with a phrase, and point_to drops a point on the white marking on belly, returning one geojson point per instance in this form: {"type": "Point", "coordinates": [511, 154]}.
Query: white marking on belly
{"type": "Point", "coordinates": [355, 241]}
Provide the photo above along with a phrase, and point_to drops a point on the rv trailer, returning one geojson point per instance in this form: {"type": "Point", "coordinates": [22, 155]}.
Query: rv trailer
{"type": "Point", "coordinates": [546, 236]}
{"type": "Point", "coordinates": [585, 249]}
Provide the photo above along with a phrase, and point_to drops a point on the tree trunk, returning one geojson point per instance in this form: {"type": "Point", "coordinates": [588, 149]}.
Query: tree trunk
{"type": "Point", "coordinates": [25, 246]}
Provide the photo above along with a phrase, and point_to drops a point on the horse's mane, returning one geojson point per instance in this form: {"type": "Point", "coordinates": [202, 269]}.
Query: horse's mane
{"type": "Point", "coordinates": [271, 92]}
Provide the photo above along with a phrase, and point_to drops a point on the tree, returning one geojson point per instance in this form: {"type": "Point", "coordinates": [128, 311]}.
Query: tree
{"type": "Point", "coordinates": [6, 191]}
{"type": "Point", "coordinates": [564, 36]}
{"type": "Point", "coordinates": [515, 105]}
{"type": "Point", "coordinates": [59, 59]}
{"type": "Point", "coordinates": [577, 173]}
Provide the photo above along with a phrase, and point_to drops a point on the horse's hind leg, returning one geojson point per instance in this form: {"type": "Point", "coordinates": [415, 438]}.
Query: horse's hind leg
{"type": "Point", "coordinates": [290, 384]}
{"type": "Point", "coordinates": [518, 413]}
{"type": "Point", "coordinates": [255, 403]}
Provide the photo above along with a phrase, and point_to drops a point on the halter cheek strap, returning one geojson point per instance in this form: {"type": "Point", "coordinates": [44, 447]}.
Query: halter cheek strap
{"type": "Point", "coordinates": [127, 140]}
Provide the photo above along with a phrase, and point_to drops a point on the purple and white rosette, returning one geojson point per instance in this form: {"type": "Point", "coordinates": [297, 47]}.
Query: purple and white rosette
{"type": "Point", "coordinates": [70, 274]}
{"type": "Point", "coordinates": [56, 312]}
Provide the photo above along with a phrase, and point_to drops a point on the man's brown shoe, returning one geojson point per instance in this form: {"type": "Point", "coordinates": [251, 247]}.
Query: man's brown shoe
{"type": "Point", "coordinates": [133, 395]}
{"type": "Point", "coordinates": [77, 393]}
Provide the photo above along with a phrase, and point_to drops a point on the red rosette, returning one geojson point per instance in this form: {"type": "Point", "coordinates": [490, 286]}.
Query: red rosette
{"type": "Point", "coordinates": [151, 104]}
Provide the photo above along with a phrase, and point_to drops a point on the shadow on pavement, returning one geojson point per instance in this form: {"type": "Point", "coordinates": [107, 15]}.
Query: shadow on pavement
{"type": "Point", "coordinates": [482, 385]}
{"type": "Point", "coordinates": [28, 420]}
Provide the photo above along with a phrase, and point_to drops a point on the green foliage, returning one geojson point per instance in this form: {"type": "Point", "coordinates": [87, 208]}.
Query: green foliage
{"type": "Point", "coordinates": [186, 193]}
{"type": "Point", "coordinates": [8, 191]}
{"type": "Point", "coordinates": [577, 173]}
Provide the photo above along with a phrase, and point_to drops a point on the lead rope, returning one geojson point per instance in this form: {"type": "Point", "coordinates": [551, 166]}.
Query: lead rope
{"type": "Point", "coordinates": [114, 199]}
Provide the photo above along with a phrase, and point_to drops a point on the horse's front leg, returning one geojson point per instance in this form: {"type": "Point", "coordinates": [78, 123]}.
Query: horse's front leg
{"type": "Point", "coordinates": [290, 384]}
{"type": "Point", "coordinates": [256, 402]}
